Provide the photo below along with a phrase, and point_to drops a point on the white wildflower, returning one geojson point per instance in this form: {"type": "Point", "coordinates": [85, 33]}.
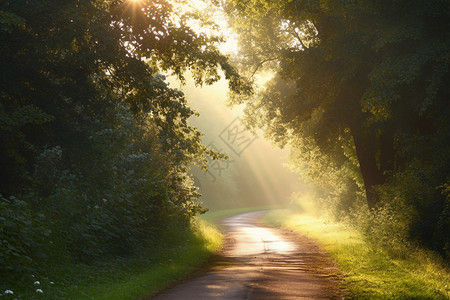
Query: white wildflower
{"type": "Point", "coordinates": [9, 292]}
{"type": "Point", "coordinates": [51, 282]}
{"type": "Point", "coordinates": [37, 282]}
{"type": "Point", "coordinates": [39, 291]}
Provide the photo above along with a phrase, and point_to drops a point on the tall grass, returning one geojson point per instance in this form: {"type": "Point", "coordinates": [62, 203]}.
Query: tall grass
{"type": "Point", "coordinates": [370, 271]}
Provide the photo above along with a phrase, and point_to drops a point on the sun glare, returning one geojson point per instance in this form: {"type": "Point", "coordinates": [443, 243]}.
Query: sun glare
{"type": "Point", "coordinates": [230, 45]}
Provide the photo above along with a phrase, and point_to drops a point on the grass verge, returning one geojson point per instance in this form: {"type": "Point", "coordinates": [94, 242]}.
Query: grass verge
{"type": "Point", "coordinates": [178, 254]}
{"type": "Point", "coordinates": [168, 264]}
{"type": "Point", "coordinates": [370, 272]}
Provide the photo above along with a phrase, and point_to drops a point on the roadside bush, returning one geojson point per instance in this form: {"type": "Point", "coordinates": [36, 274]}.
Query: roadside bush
{"type": "Point", "coordinates": [22, 234]}
{"type": "Point", "coordinates": [387, 226]}
{"type": "Point", "coordinates": [419, 202]}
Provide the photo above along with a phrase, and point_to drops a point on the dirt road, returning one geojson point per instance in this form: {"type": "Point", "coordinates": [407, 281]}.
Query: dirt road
{"type": "Point", "coordinates": [260, 262]}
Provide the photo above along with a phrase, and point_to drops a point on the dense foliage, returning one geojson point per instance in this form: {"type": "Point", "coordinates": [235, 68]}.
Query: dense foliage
{"type": "Point", "coordinates": [361, 93]}
{"type": "Point", "coordinates": [94, 144]}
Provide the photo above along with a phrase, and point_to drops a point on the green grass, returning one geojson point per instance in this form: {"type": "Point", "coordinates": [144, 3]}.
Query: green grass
{"type": "Point", "coordinates": [370, 272]}
{"type": "Point", "coordinates": [179, 253]}
{"type": "Point", "coordinates": [171, 264]}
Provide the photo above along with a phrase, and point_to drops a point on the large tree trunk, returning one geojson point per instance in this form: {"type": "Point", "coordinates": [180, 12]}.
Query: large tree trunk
{"type": "Point", "coordinates": [387, 151]}
{"type": "Point", "coordinates": [366, 149]}
{"type": "Point", "coordinates": [366, 143]}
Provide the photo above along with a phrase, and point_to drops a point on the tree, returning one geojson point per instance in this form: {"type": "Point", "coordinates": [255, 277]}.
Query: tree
{"type": "Point", "coordinates": [372, 72]}
{"type": "Point", "coordinates": [348, 62]}
{"type": "Point", "coordinates": [62, 61]}
{"type": "Point", "coordinates": [94, 143]}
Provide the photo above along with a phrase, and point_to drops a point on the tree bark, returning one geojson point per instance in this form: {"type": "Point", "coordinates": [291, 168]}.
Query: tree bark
{"type": "Point", "coordinates": [365, 144]}
{"type": "Point", "coordinates": [387, 151]}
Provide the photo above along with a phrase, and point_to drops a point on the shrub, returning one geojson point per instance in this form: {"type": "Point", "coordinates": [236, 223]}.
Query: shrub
{"type": "Point", "coordinates": [22, 234]}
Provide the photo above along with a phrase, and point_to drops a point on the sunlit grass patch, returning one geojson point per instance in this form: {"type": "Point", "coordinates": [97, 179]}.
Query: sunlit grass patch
{"type": "Point", "coordinates": [370, 272]}
{"type": "Point", "coordinates": [210, 235]}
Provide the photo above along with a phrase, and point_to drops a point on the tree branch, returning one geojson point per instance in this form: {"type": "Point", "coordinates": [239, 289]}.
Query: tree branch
{"type": "Point", "coordinates": [262, 63]}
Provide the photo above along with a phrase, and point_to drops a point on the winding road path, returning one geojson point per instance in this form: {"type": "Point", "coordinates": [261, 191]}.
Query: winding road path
{"type": "Point", "coordinates": [260, 262]}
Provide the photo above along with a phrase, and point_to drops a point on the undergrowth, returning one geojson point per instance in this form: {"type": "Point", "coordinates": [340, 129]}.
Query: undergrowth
{"type": "Point", "coordinates": [136, 277]}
